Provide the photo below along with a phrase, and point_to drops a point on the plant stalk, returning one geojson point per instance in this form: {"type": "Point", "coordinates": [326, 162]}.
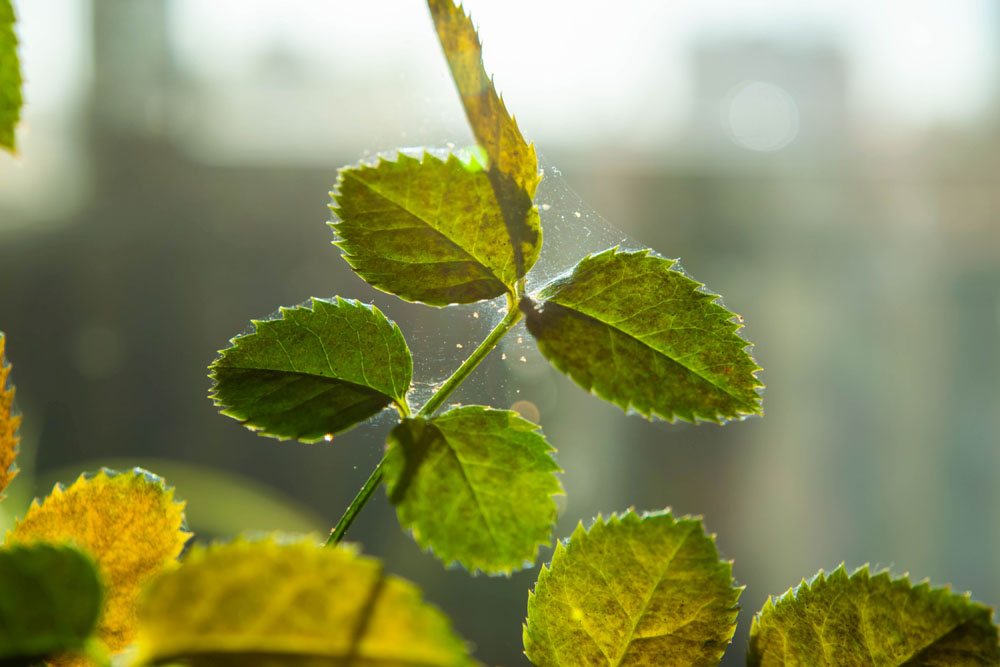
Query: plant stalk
{"type": "Point", "coordinates": [375, 479]}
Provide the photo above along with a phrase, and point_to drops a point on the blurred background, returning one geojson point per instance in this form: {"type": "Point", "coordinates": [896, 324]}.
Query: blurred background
{"type": "Point", "coordinates": [830, 167]}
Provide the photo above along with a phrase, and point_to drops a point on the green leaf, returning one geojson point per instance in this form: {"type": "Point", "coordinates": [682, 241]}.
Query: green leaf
{"type": "Point", "coordinates": [10, 77]}
{"type": "Point", "coordinates": [633, 591]}
{"type": "Point", "coordinates": [50, 601]}
{"type": "Point", "coordinates": [475, 485]}
{"type": "Point", "coordinates": [263, 603]}
{"type": "Point", "coordinates": [494, 128]}
{"type": "Point", "coordinates": [314, 372]}
{"type": "Point", "coordinates": [864, 620]}
{"type": "Point", "coordinates": [639, 334]}
{"type": "Point", "coordinates": [429, 230]}
{"type": "Point", "coordinates": [513, 166]}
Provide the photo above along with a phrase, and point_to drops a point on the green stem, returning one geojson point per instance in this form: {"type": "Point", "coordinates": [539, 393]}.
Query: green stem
{"type": "Point", "coordinates": [510, 319]}
{"type": "Point", "coordinates": [375, 479]}
{"type": "Point", "coordinates": [337, 534]}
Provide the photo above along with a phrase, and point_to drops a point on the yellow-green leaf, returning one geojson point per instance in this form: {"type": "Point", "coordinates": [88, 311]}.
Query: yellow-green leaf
{"type": "Point", "coordinates": [430, 230]}
{"type": "Point", "coordinates": [633, 590]}
{"type": "Point", "coordinates": [494, 128]}
{"type": "Point", "coordinates": [128, 522]}
{"type": "Point", "coordinates": [867, 620]}
{"type": "Point", "coordinates": [10, 77]}
{"type": "Point", "coordinates": [314, 371]}
{"type": "Point", "coordinates": [50, 599]}
{"type": "Point", "coordinates": [475, 485]}
{"type": "Point", "coordinates": [264, 603]}
{"type": "Point", "coordinates": [638, 333]}
{"type": "Point", "coordinates": [9, 423]}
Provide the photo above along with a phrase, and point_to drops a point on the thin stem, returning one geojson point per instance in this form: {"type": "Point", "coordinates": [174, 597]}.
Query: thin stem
{"type": "Point", "coordinates": [506, 324]}
{"type": "Point", "coordinates": [337, 534]}
{"type": "Point", "coordinates": [375, 479]}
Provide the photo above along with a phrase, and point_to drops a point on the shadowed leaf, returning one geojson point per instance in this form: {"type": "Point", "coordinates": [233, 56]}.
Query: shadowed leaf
{"type": "Point", "coordinates": [313, 372]}
{"type": "Point", "coordinates": [872, 620]}
{"type": "Point", "coordinates": [640, 335]}
{"type": "Point", "coordinates": [261, 603]}
{"type": "Point", "coordinates": [633, 591]}
{"type": "Point", "coordinates": [10, 77]}
{"type": "Point", "coordinates": [428, 230]}
{"type": "Point", "coordinates": [475, 485]}
{"type": "Point", "coordinates": [50, 599]}
{"type": "Point", "coordinates": [9, 422]}
{"type": "Point", "coordinates": [128, 522]}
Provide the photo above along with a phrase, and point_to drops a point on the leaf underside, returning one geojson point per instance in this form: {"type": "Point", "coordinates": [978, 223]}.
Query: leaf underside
{"type": "Point", "coordinates": [9, 423]}
{"type": "Point", "coordinates": [429, 230]}
{"type": "Point", "coordinates": [50, 602]}
{"type": "Point", "coordinates": [633, 590]}
{"type": "Point", "coordinates": [872, 620]}
{"type": "Point", "coordinates": [314, 371]}
{"type": "Point", "coordinates": [10, 77]}
{"type": "Point", "coordinates": [261, 603]}
{"type": "Point", "coordinates": [128, 522]}
{"type": "Point", "coordinates": [475, 485]}
{"type": "Point", "coordinates": [640, 335]}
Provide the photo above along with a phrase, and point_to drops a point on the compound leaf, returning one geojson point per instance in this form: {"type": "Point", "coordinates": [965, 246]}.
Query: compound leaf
{"type": "Point", "coordinates": [261, 603]}
{"type": "Point", "coordinates": [10, 77]}
{"type": "Point", "coordinates": [429, 230]}
{"type": "Point", "coordinates": [128, 522]}
{"type": "Point", "coordinates": [639, 334]}
{"type": "Point", "coordinates": [475, 485]}
{"type": "Point", "coordinates": [9, 423]}
{"type": "Point", "coordinates": [633, 591]}
{"type": "Point", "coordinates": [50, 601]}
{"type": "Point", "coordinates": [494, 128]}
{"type": "Point", "coordinates": [313, 372]}
{"type": "Point", "coordinates": [865, 619]}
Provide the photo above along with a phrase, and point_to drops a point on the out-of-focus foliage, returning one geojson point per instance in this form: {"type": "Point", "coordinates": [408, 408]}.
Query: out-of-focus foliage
{"type": "Point", "coordinates": [129, 523]}
{"type": "Point", "coordinates": [9, 422]}
{"type": "Point", "coordinates": [10, 77]}
{"type": "Point", "coordinates": [50, 599]}
{"type": "Point", "coordinates": [265, 603]}
{"type": "Point", "coordinates": [475, 485]}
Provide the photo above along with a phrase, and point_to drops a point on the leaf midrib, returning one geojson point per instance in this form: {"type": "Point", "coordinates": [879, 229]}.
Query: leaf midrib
{"type": "Point", "coordinates": [355, 175]}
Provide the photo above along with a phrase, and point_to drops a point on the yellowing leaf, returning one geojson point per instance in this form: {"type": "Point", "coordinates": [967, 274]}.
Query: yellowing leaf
{"type": "Point", "coordinates": [9, 423]}
{"type": "Point", "coordinates": [263, 603]}
{"type": "Point", "coordinates": [494, 128]}
{"type": "Point", "coordinates": [633, 591]}
{"type": "Point", "coordinates": [128, 522]}
{"type": "Point", "coordinates": [864, 620]}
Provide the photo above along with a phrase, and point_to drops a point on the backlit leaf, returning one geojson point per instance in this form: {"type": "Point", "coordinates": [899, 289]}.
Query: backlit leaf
{"type": "Point", "coordinates": [261, 603]}
{"type": "Point", "coordinates": [128, 522]}
{"type": "Point", "coordinates": [475, 485]}
{"type": "Point", "coordinates": [633, 591]}
{"type": "Point", "coordinates": [429, 230]}
{"type": "Point", "coordinates": [10, 77]}
{"type": "Point", "coordinates": [494, 128]}
{"type": "Point", "coordinates": [50, 599]}
{"type": "Point", "coordinates": [9, 422]}
{"type": "Point", "coordinates": [640, 335]}
{"type": "Point", "coordinates": [513, 166]}
{"type": "Point", "coordinates": [872, 620]}
{"type": "Point", "coordinates": [314, 371]}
